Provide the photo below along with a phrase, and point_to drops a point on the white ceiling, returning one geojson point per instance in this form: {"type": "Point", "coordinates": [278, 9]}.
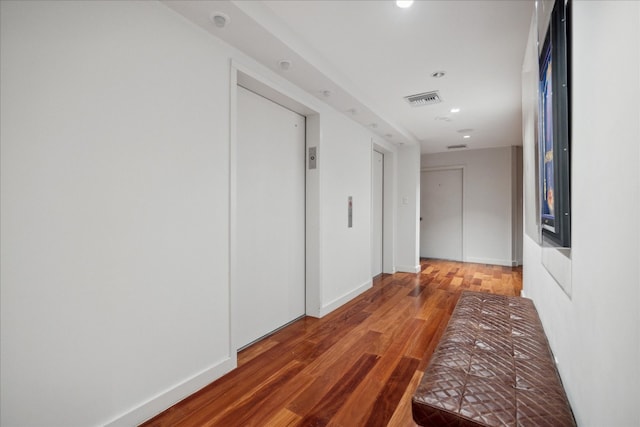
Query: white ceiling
{"type": "Point", "coordinates": [371, 54]}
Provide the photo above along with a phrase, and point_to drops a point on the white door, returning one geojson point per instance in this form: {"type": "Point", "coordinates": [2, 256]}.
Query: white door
{"type": "Point", "coordinates": [377, 198]}
{"type": "Point", "coordinates": [269, 274]}
{"type": "Point", "coordinates": [441, 213]}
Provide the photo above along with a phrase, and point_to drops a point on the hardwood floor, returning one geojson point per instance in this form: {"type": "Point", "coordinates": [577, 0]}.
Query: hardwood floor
{"type": "Point", "coordinates": [357, 366]}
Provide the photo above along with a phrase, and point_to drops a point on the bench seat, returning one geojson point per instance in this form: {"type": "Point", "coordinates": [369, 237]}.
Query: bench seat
{"type": "Point", "coordinates": [492, 367]}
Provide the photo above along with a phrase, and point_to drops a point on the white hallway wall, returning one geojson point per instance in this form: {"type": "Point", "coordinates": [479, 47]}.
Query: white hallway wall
{"type": "Point", "coordinates": [408, 247]}
{"type": "Point", "coordinates": [595, 333]}
{"type": "Point", "coordinates": [114, 207]}
{"type": "Point", "coordinates": [490, 200]}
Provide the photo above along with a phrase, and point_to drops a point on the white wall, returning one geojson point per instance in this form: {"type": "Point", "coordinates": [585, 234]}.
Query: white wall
{"type": "Point", "coordinates": [595, 333]}
{"type": "Point", "coordinates": [408, 237]}
{"type": "Point", "coordinates": [346, 171]}
{"type": "Point", "coordinates": [114, 210]}
{"type": "Point", "coordinates": [488, 204]}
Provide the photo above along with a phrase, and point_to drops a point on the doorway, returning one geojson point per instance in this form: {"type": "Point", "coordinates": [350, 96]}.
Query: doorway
{"type": "Point", "coordinates": [441, 214]}
{"type": "Point", "coordinates": [377, 217]}
{"type": "Point", "coordinates": [270, 217]}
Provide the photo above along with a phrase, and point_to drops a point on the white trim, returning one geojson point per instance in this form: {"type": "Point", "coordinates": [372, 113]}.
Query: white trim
{"type": "Point", "coordinates": [338, 302]}
{"type": "Point", "coordinates": [313, 212]}
{"type": "Point", "coordinates": [388, 206]}
{"type": "Point", "coordinates": [408, 269]}
{"type": "Point", "coordinates": [233, 262]}
{"type": "Point", "coordinates": [244, 76]}
{"type": "Point", "coordinates": [372, 210]}
{"type": "Point", "coordinates": [492, 261]}
{"type": "Point", "coordinates": [174, 395]}
{"type": "Point", "coordinates": [442, 168]}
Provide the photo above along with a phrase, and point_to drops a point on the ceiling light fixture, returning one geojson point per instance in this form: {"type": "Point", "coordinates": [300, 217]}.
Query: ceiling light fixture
{"type": "Point", "coordinates": [438, 74]}
{"type": "Point", "coordinates": [284, 64]}
{"type": "Point", "coordinates": [455, 110]}
{"type": "Point", "coordinates": [220, 19]}
{"type": "Point", "coordinates": [467, 136]}
{"type": "Point", "coordinates": [403, 4]}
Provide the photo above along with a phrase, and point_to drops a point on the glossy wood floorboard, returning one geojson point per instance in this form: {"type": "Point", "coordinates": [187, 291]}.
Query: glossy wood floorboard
{"type": "Point", "coordinates": [357, 366]}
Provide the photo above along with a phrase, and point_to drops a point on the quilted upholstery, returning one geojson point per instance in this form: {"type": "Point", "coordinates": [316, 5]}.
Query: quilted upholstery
{"type": "Point", "coordinates": [492, 367]}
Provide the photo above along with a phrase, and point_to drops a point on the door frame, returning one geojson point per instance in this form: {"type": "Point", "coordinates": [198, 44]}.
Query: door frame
{"type": "Point", "coordinates": [247, 78]}
{"type": "Point", "coordinates": [388, 207]}
{"type": "Point", "coordinates": [464, 196]}
{"type": "Point", "coordinates": [374, 229]}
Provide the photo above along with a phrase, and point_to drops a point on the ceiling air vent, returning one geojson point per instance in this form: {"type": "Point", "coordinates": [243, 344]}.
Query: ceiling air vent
{"type": "Point", "coordinates": [453, 147]}
{"type": "Point", "coordinates": [426, 98]}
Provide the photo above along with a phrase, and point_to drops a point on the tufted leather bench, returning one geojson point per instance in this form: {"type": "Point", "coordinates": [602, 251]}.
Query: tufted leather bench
{"type": "Point", "coordinates": [492, 367]}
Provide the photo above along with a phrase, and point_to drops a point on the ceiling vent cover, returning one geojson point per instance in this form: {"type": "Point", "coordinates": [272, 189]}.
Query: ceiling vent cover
{"type": "Point", "coordinates": [453, 147]}
{"type": "Point", "coordinates": [426, 98]}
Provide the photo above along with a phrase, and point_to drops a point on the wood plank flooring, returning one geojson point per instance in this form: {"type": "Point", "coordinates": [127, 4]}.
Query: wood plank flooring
{"type": "Point", "coordinates": [357, 366]}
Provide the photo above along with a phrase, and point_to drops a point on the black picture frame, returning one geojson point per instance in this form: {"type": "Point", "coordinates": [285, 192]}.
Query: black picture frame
{"type": "Point", "coordinates": [555, 129]}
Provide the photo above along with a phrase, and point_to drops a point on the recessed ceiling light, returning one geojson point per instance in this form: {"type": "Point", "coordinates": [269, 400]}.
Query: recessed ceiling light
{"type": "Point", "coordinates": [438, 74]}
{"type": "Point", "coordinates": [284, 64]}
{"type": "Point", "coordinates": [404, 3]}
{"type": "Point", "coordinates": [220, 19]}
{"type": "Point", "coordinates": [467, 136]}
{"type": "Point", "coordinates": [455, 110]}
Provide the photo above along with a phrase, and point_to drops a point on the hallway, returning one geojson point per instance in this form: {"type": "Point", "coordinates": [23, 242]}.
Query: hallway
{"type": "Point", "coordinates": [357, 366]}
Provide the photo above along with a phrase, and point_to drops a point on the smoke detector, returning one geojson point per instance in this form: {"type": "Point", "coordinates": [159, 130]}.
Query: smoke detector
{"type": "Point", "coordinates": [426, 98]}
{"type": "Point", "coordinates": [220, 19]}
{"type": "Point", "coordinates": [284, 64]}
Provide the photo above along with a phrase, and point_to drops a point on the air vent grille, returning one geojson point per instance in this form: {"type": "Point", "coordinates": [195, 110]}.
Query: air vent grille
{"type": "Point", "coordinates": [453, 147]}
{"type": "Point", "coordinates": [426, 98]}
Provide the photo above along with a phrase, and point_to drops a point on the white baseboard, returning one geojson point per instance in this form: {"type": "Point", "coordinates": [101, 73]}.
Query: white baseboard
{"type": "Point", "coordinates": [408, 269]}
{"type": "Point", "coordinates": [492, 261]}
{"type": "Point", "coordinates": [174, 395]}
{"type": "Point", "coordinates": [328, 308]}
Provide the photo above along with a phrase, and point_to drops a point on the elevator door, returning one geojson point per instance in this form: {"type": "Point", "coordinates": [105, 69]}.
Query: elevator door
{"type": "Point", "coordinates": [377, 198]}
{"type": "Point", "coordinates": [270, 222]}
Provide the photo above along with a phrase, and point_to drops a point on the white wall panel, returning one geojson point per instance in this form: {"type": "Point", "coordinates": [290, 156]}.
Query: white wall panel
{"type": "Point", "coordinates": [595, 333]}
{"type": "Point", "coordinates": [114, 209]}
{"type": "Point", "coordinates": [408, 201]}
{"type": "Point", "coordinates": [345, 156]}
